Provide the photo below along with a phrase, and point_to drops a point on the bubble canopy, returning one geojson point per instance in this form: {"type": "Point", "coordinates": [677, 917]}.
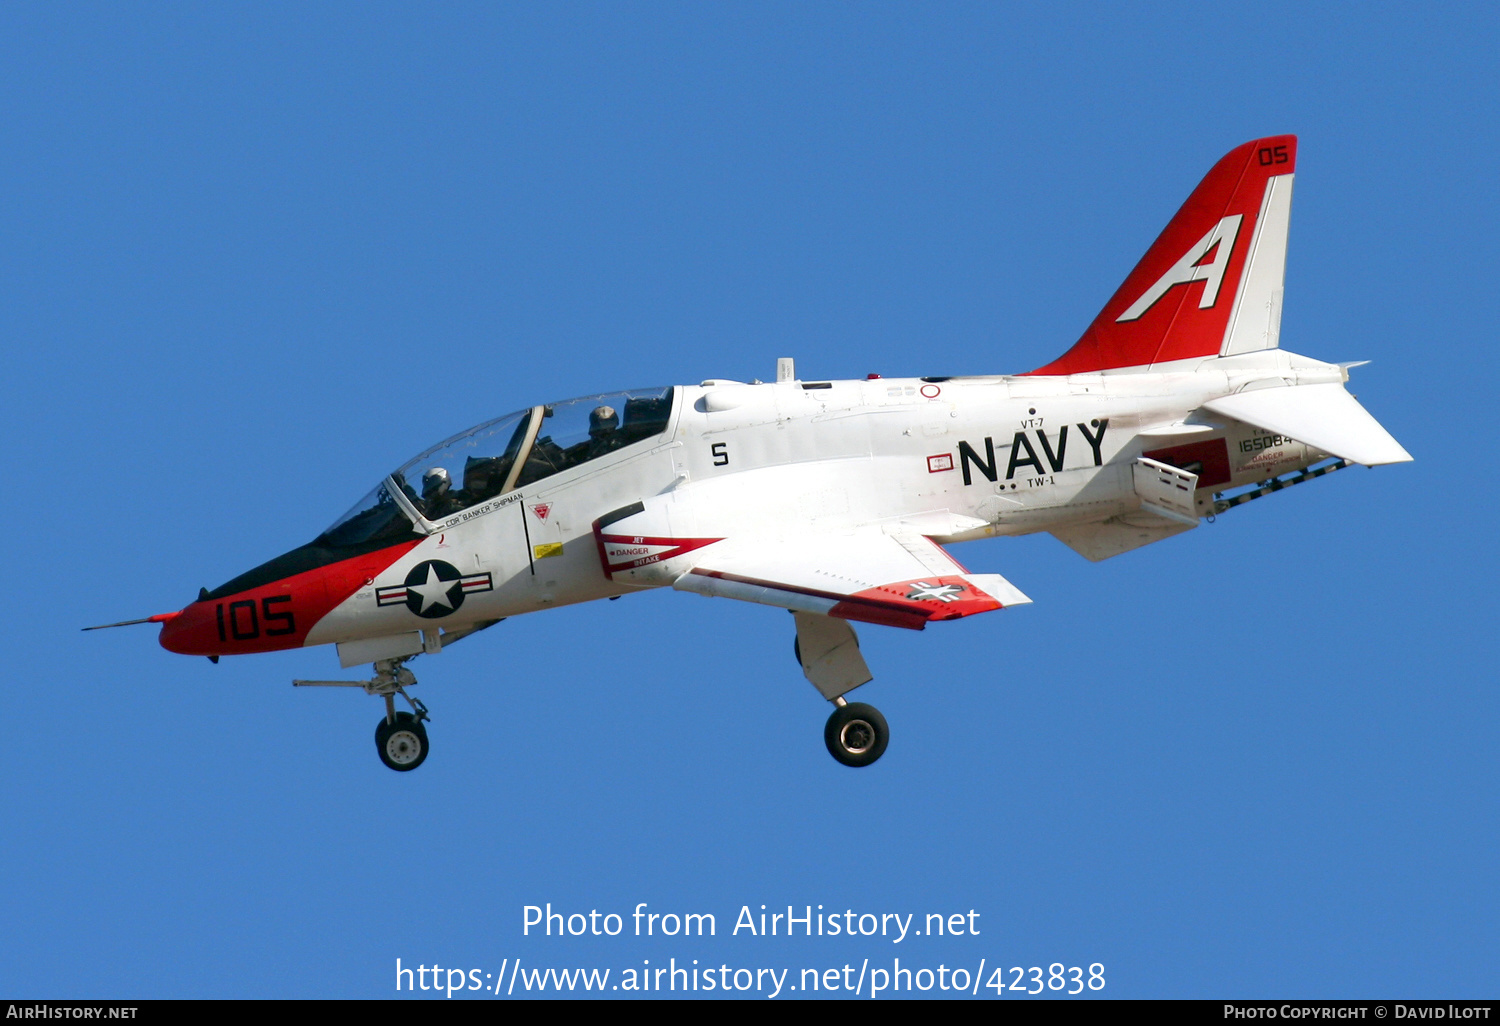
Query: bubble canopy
{"type": "Point", "coordinates": [500, 456]}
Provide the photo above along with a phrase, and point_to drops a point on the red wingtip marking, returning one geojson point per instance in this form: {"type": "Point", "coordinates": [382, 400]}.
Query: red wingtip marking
{"type": "Point", "coordinates": [943, 598]}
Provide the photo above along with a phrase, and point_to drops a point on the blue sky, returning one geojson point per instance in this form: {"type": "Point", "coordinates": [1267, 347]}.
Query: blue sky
{"type": "Point", "coordinates": [254, 256]}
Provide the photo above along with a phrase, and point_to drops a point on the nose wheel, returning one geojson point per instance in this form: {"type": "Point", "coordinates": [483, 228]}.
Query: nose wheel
{"type": "Point", "coordinates": [856, 733]}
{"type": "Point", "coordinates": [402, 743]}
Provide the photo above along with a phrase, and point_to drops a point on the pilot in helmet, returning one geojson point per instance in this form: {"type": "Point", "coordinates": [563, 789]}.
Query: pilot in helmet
{"type": "Point", "coordinates": [435, 491]}
{"type": "Point", "coordinates": [604, 430]}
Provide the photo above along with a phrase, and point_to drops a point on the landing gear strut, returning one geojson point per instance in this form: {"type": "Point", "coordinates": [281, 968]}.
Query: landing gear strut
{"type": "Point", "coordinates": [400, 737]}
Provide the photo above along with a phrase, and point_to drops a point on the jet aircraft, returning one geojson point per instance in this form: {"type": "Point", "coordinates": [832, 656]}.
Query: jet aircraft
{"type": "Point", "coordinates": [832, 499]}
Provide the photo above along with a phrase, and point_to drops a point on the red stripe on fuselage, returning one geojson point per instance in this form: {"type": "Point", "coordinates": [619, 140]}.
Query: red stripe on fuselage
{"type": "Point", "coordinates": [276, 615]}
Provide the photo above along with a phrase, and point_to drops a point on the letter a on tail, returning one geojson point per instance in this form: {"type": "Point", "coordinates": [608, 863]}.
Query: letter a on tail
{"type": "Point", "coordinates": [1210, 285]}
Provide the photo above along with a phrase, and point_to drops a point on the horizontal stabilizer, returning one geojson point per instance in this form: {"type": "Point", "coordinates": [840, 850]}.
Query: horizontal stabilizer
{"type": "Point", "coordinates": [1324, 416]}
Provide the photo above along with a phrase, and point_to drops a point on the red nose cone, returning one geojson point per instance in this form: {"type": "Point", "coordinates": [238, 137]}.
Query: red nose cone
{"type": "Point", "coordinates": [270, 609]}
{"type": "Point", "coordinates": [274, 616]}
{"type": "Point", "coordinates": [191, 632]}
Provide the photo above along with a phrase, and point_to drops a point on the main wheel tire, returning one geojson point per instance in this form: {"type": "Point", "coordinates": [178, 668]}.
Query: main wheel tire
{"type": "Point", "coordinates": [401, 745]}
{"type": "Point", "coordinates": [856, 734]}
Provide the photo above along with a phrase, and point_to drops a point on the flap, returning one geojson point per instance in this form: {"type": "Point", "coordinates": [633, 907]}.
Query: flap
{"type": "Point", "coordinates": [1324, 416]}
{"type": "Point", "coordinates": [898, 580]}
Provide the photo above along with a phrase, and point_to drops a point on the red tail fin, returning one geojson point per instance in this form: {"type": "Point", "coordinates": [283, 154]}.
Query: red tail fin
{"type": "Point", "coordinates": [1177, 302]}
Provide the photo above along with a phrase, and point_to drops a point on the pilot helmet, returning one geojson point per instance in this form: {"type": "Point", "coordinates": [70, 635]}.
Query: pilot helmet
{"type": "Point", "coordinates": [604, 420]}
{"type": "Point", "coordinates": [435, 482]}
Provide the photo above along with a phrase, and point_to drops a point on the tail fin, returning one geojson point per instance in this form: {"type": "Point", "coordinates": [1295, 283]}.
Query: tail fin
{"type": "Point", "coordinates": [1211, 282]}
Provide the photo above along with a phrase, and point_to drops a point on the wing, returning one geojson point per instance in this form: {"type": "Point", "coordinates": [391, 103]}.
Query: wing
{"type": "Point", "coordinates": [899, 580]}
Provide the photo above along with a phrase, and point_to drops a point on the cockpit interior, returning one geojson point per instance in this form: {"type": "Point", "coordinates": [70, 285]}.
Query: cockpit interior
{"type": "Point", "coordinates": [497, 457]}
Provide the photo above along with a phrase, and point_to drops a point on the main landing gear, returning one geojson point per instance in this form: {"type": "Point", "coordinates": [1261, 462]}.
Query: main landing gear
{"type": "Point", "coordinates": [400, 737]}
{"type": "Point", "coordinates": [828, 651]}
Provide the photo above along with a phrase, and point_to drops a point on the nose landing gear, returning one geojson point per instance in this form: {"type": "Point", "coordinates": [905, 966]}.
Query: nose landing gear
{"type": "Point", "coordinates": [400, 737]}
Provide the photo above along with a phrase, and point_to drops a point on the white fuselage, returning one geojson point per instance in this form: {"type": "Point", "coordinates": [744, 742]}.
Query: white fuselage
{"type": "Point", "coordinates": [954, 459]}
